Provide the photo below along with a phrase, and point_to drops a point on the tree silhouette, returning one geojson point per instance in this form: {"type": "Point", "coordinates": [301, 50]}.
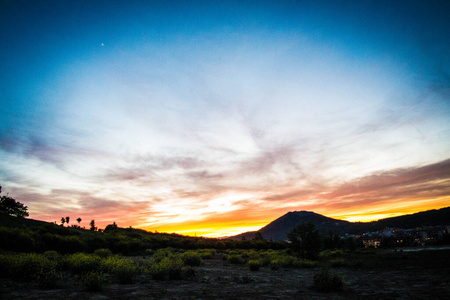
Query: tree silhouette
{"type": "Point", "coordinates": [11, 207]}
{"type": "Point", "coordinates": [306, 240]}
{"type": "Point", "coordinates": [79, 221]}
{"type": "Point", "coordinates": [258, 236]}
{"type": "Point", "coordinates": [67, 220]}
{"type": "Point", "coordinates": [63, 220]}
{"type": "Point", "coordinates": [92, 223]}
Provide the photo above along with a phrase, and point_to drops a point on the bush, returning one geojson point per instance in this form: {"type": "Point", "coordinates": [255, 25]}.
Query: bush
{"type": "Point", "coordinates": [236, 259]}
{"type": "Point", "coordinates": [254, 265]}
{"type": "Point", "coordinates": [26, 266]}
{"type": "Point", "coordinates": [338, 262]}
{"type": "Point", "coordinates": [103, 253]}
{"type": "Point", "coordinates": [206, 253]}
{"type": "Point", "coordinates": [93, 280]}
{"type": "Point", "coordinates": [81, 263]}
{"type": "Point", "coordinates": [191, 258]}
{"type": "Point", "coordinates": [167, 268]}
{"type": "Point", "coordinates": [48, 276]}
{"type": "Point", "coordinates": [331, 253]}
{"type": "Point", "coordinates": [275, 264]}
{"type": "Point", "coordinates": [326, 281]}
{"type": "Point", "coordinates": [305, 263]}
{"type": "Point", "coordinates": [31, 267]}
{"type": "Point", "coordinates": [124, 270]}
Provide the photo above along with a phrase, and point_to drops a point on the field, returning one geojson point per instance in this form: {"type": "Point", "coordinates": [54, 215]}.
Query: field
{"type": "Point", "coordinates": [227, 274]}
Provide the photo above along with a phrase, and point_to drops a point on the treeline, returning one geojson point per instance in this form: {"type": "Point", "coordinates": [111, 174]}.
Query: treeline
{"type": "Point", "coordinates": [23, 235]}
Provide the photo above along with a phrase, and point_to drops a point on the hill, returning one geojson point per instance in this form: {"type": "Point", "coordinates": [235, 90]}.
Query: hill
{"type": "Point", "coordinates": [278, 229]}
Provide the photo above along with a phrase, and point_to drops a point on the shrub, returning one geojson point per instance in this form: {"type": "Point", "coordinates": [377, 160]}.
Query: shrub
{"type": "Point", "coordinates": [254, 265]}
{"type": "Point", "coordinates": [191, 258]}
{"type": "Point", "coordinates": [206, 253]}
{"type": "Point", "coordinates": [124, 270]}
{"type": "Point", "coordinates": [331, 253]}
{"type": "Point", "coordinates": [81, 263]}
{"type": "Point", "coordinates": [304, 263]}
{"type": "Point", "coordinates": [275, 264]}
{"type": "Point", "coordinates": [26, 266]}
{"type": "Point", "coordinates": [93, 280]}
{"type": "Point", "coordinates": [236, 259]}
{"type": "Point", "coordinates": [31, 267]}
{"type": "Point", "coordinates": [338, 262]}
{"type": "Point", "coordinates": [167, 268]}
{"type": "Point", "coordinates": [52, 255]}
{"type": "Point", "coordinates": [103, 253]}
{"type": "Point", "coordinates": [326, 281]}
{"type": "Point", "coordinates": [48, 276]}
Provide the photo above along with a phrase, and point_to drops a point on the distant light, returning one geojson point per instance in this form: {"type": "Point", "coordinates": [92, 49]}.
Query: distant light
{"type": "Point", "coordinates": [103, 44]}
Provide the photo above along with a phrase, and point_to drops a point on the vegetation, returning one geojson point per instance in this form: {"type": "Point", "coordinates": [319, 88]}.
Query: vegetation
{"type": "Point", "coordinates": [327, 281]}
{"type": "Point", "coordinates": [306, 240]}
{"type": "Point", "coordinates": [11, 207]}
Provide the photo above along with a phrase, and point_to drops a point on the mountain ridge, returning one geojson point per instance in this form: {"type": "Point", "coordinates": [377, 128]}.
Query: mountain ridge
{"type": "Point", "coordinates": [278, 229]}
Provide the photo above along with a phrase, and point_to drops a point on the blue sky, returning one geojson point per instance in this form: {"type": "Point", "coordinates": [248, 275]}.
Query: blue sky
{"type": "Point", "coordinates": [215, 118]}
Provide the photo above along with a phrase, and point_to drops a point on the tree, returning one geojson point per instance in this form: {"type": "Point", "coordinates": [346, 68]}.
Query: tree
{"type": "Point", "coordinates": [306, 240]}
{"type": "Point", "coordinates": [67, 220]}
{"type": "Point", "coordinates": [9, 206]}
{"type": "Point", "coordinates": [63, 220]}
{"type": "Point", "coordinates": [93, 228]}
{"type": "Point", "coordinates": [79, 221]}
{"type": "Point", "coordinates": [258, 236]}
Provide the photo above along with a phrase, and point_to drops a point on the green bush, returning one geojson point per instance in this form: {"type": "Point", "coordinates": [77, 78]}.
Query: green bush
{"type": "Point", "coordinates": [26, 266]}
{"type": "Point", "coordinates": [304, 263]}
{"type": "Point", "coordinates": [206, 253]}
{"type": "Point", "coordinates": [52, 255]}
{"type": "Point", "coordinates": [49, 275]}
{"type": "Point", "coordinates": [31, 267]}
{"type": "Point", "coordinates": [235, 259]}
{"type": "Point", "coordinates": [124, 270]}
{"type": "Point", "coordinates": [275, 264]}
{"type": "Point", "coordinates": [93, 280]}
{"type": "Point", "coordinates": [332, 253]}
{"type": "Point", "coordinates": [254, 265]}
{"type": "Point", "coordinates": [327, 281]}
{"type": "Point", "coordinates": [166, 268]}
{"type": "Point", "coordinates": [81, 263]}
{"type": "Point", "coordinates": [191, 258]}
{"type": "Point", "coordinates": [103, 253]}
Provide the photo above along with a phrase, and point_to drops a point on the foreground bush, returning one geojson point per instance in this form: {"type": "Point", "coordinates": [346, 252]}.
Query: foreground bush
{"type": "Point", "coordinates": [31, 267]}
{"type": "Point", "coordinates": [254, 265]}
{"type": "Point", "coordinates": [235, 259]}
{"type": "Point", "coordinates": [327, 281]}
{"type": "Point", "coordinates": [191, 258]}
{"type": "Point", "coordinates": [93, 281]}
{"type": "Point", "coordinates": [82, 263]}
{"type": "Point", "coordinates": [103, 253]}
{"type": "Point", "coordinates": [166, 268]}
{"type": "Point", "coordinates": [124, 270]}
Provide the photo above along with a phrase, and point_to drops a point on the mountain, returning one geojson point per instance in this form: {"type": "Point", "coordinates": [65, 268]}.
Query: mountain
{"type": "Point", "coordinates": [278, 229]}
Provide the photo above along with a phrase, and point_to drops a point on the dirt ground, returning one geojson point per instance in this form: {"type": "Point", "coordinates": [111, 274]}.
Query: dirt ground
{"type": "Point", "coordinates": [400, 277]}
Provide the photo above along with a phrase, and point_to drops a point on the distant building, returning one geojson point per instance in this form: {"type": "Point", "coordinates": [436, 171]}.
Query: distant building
{"type": "Point", "coordinates": [372, 243]}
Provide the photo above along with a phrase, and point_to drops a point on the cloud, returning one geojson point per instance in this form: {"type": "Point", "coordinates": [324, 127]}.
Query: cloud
{"type": "Point", "coordinates": [408, 188]}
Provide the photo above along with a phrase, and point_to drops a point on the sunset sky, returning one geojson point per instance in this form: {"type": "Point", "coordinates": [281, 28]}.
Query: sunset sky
{"type": "Point", "coordinates": [217, 117]}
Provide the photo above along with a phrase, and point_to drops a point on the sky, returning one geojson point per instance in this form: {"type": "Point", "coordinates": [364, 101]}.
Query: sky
{"type": "Point", "coordinates": [212, 118]}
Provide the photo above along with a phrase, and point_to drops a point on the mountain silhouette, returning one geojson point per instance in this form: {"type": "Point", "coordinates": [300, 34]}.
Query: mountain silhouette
{"type": "Point", "coordinates": [279, 228]}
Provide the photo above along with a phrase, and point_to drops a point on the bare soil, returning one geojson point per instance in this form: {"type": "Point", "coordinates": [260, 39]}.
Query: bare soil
{"type": "Point", "coordinates": [398, 276]}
